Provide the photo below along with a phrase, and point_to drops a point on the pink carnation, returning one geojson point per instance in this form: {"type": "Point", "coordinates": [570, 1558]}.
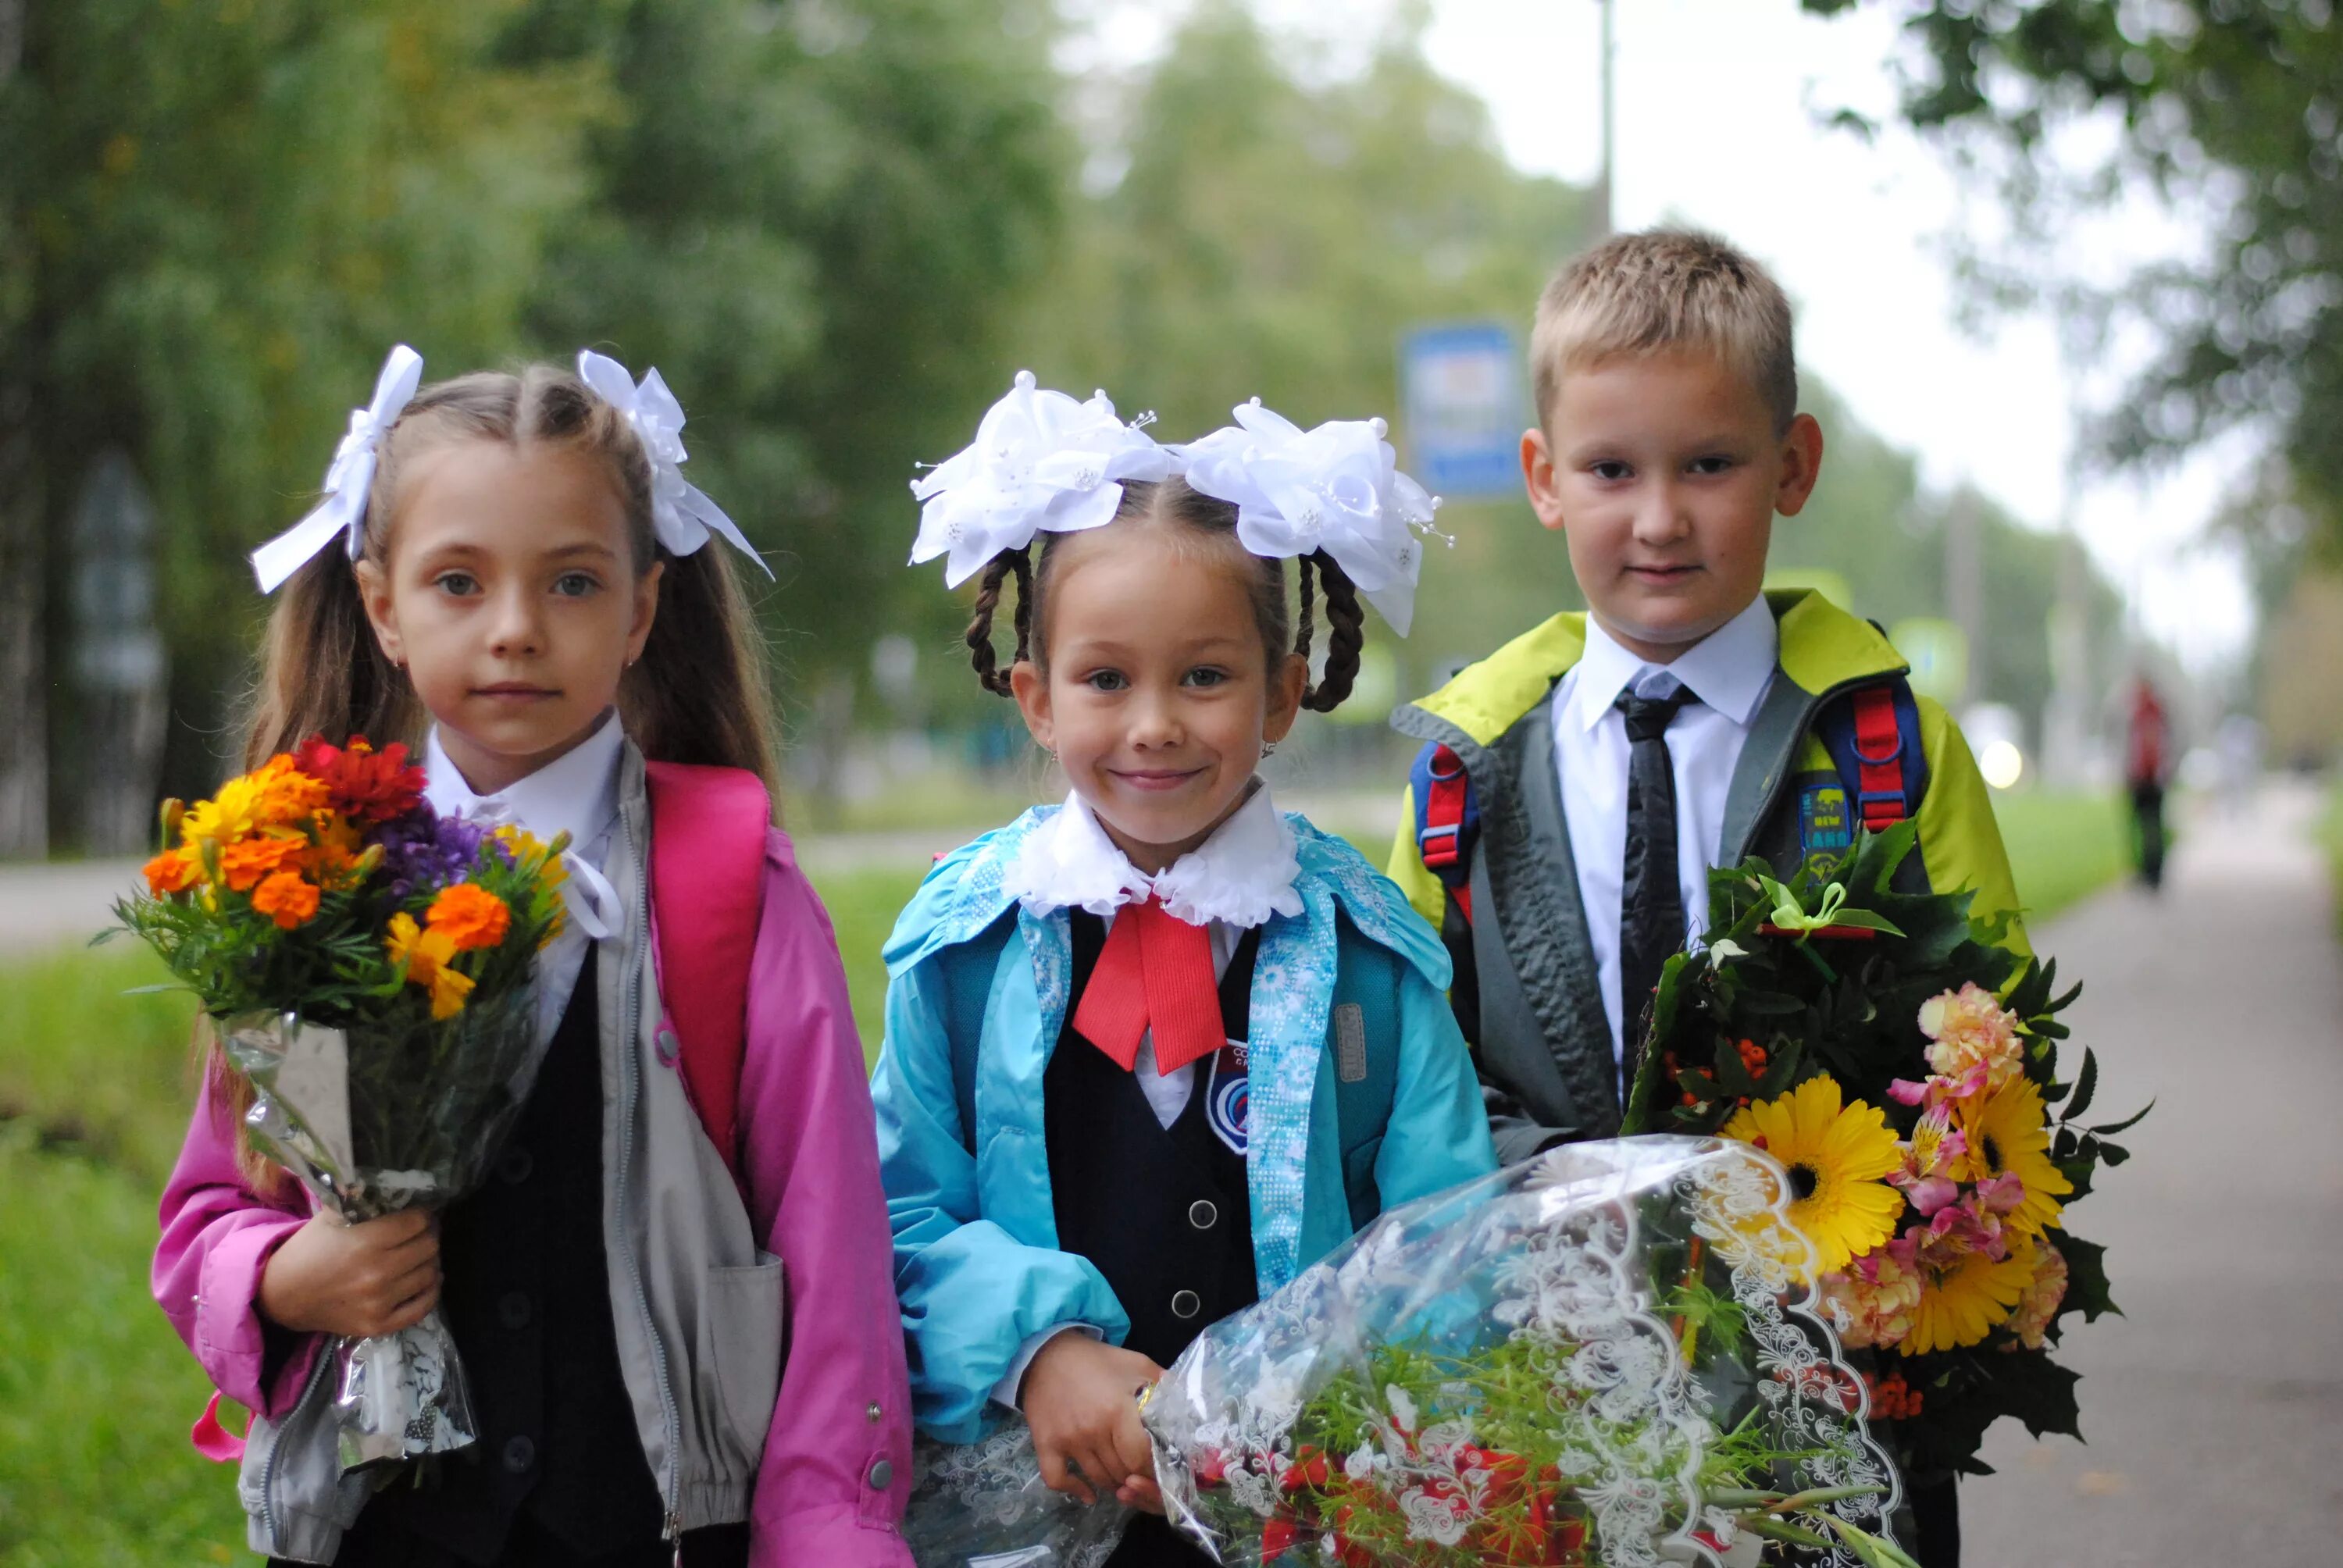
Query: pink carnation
{"type": "Point", "coordinates": [1871, 1303]}
{"type": "Point", "coordinates": [1971, 1030]}
{"type": "Point", "coordinates": [2039, 1304]}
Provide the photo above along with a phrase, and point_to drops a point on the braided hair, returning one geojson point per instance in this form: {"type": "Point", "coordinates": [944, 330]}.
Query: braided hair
{"type": "Point", "coordinates": [1173, 503]}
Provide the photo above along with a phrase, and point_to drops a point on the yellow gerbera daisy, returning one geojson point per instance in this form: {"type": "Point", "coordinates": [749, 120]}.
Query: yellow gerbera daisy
{"type": "Point", "coordinates": [1963, 1295]}
{"type": "Point", "coordinates": [2009, 1133]}
{"type": "Point", "coordinates": [1835, 1158]}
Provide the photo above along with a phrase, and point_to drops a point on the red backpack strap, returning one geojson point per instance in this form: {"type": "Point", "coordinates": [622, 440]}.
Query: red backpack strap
{"type": "Point", "coordinates": [1881, 799]}
{"type": "Point", "coordinates": [708, 889]}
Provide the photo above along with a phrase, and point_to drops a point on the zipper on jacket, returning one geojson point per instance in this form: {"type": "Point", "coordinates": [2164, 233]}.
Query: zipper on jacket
{"type": "Point", "coordinates": [317, 1373]}
{"type": "Point", "coordinates": [672, 1524]}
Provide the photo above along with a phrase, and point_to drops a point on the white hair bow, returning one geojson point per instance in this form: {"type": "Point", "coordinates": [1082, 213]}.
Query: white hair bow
{"type": "Point", "coordinates": [1336, 489]}
{"type": "Point", "coordinates": [343, 509]}
{"type": "Point", "coordinates": [1040, 461]}
{"type": "Point", "coordinates": [681, 515]}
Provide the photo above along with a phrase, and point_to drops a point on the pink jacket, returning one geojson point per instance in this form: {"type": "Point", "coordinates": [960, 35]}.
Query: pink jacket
{"type": "Point", "coordinates": [835, 1468]}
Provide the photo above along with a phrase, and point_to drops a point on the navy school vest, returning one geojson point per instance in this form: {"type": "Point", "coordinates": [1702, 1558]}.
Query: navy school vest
{"type": "Point", "coordinates": [1164, 1212]}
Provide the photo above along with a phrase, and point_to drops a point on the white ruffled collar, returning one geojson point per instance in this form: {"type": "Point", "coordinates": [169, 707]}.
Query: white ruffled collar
{"type": "Point", "coordinates": [1242, 875]}
{"type": "Point", "coordinates": [576, 793]}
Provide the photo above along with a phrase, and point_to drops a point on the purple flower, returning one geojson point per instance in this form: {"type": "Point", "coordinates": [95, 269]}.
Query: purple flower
{"type": "Point", "coordinates": [424, 851]}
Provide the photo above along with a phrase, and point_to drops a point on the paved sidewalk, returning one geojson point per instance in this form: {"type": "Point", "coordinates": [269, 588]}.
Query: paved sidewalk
{"type": "Point", "coordinates": [2213, 1410]}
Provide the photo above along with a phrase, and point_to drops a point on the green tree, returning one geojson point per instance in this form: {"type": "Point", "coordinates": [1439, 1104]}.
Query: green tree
{"type": "Point", "coordinates": [214, 221]}
{"type": "Point", "coordinates": [815, 219]}
{"type": "Point", "coordinates": [2233, 107]}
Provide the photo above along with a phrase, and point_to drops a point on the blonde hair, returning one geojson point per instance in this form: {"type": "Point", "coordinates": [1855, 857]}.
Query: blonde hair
{"type": "Point", "coordinates": [1666, 288]}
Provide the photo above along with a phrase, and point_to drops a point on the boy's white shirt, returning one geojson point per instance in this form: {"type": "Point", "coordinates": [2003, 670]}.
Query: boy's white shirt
{"type": "Point", "coordinates": [1730, 671]}
{"type": "Point", "coordinates": [576, 793]}
{"type": "Point", "coordinates": [1232, 882]}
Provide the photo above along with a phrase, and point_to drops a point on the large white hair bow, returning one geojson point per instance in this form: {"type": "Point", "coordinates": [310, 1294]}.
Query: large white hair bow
{"type": "Point", "coordinates": [1040, 461]}
{"type": "Point", "coordinates": [343, 509]}
{"type": "Point", "coordinates": [1336, 489]}
{"type": "Point", "coordinates": [681, 515]}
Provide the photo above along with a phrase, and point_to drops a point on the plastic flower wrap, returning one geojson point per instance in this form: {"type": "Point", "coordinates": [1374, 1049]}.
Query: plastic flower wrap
{"type": "Point", "coordinates": [1903, 1067]}
{"type": "Point", "coordinates": [364, 963]}
{"type": "Point", "coordinates": [1607, 1356]}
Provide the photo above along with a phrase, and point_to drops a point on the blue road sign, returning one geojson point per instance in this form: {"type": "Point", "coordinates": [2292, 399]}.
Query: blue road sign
{"type": "Point", "coordinates": [1462, 385]}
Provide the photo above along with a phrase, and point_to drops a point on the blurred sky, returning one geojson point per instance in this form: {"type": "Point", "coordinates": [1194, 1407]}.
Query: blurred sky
{"type": "Point", "coordinates": [1719, 124]}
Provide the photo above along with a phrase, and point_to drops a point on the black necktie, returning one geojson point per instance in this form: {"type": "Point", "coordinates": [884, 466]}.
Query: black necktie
{"type": "Point", "coordinates": [1650, 906]}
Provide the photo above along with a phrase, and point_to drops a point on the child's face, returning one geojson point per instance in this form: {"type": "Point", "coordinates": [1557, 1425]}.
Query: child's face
{"type": "Point", "coordinates": [1664, 471]}
{"type": "Point", "coordinates": [1158, 695]}
{"type": "Point", "coordinates": [509, 594]}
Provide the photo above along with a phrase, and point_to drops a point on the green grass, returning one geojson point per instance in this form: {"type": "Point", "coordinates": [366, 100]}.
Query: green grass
{"type": "Point", "coordinates": [97, 1394]}
{"type": "Point", "coordinates": [2062, 847]}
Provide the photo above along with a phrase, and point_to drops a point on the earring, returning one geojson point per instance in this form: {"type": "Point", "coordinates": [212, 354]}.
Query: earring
{"type": "Point", "coordinates": [1269, 748]}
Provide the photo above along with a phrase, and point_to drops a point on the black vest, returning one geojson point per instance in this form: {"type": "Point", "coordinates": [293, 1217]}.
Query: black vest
{"type": "Point", "coordinates": [528, 1297]}
{"type": "Point", "coordinates": [1162, 1211]}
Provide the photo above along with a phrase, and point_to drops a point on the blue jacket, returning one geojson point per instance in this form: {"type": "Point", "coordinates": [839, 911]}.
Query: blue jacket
{"type": "Point", "coordinates": [976, 998]}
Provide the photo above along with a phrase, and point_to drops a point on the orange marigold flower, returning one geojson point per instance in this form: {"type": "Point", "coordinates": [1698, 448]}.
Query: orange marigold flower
{"type": "Point", "coordinates": [287, 795]}
{"type": "Point", "coordinates": [286, 899]}
{"type": "Point", "coordinates": [173, 871]}
{"type": "Point", "coordinates": [471, 916]}
{"type": "Point", "coordinates": [245, 863]}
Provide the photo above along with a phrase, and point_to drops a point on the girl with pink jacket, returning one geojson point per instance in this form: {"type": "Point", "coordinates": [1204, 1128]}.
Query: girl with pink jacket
{"type": "Point", "coordinates": [677, 1351]}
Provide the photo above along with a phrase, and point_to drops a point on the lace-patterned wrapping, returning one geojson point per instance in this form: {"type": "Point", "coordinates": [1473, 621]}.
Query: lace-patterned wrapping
{"type": "Point", "coordinates": [1601, 1356]}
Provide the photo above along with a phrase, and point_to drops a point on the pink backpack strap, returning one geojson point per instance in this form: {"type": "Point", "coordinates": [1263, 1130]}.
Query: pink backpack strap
{"type": "Point", "coordinates": [707, 888]}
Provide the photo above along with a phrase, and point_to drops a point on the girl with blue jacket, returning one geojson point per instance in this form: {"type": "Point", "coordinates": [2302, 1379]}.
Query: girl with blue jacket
{"type": "Point", "coordinates": [1151, 1052]}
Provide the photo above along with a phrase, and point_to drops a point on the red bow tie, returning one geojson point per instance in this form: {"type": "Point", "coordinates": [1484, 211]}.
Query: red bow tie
{"type": "Point", "coordinates": [1154, 972]}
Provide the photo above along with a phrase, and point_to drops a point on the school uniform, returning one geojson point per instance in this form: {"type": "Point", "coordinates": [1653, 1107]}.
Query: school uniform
{"type": "Point", "coordinates": [1545, 730]}
{"type": "Point", "coordinates": [1038, 1184]}
{"type": "Point", "coordinates": [662, 1359]}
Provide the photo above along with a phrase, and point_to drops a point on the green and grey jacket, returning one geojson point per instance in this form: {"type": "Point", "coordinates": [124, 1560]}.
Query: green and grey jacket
{"type": "Point", "coordinates": [1543, 1043]}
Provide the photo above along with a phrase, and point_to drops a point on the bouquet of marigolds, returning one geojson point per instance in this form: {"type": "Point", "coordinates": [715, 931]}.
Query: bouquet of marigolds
{"type": "Point", "coordinates": [1610, 1356]}
{"type": "Point", "coordinates": [364, 963]}
{"type": "Point", "coordinates": [1903, 1067]}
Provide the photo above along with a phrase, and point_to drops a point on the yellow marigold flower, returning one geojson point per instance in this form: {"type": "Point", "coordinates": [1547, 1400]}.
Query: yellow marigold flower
{"type": "Point", "coordinates": [1963, 1294]}
{"type": "Point", "coordinates": [1970, 1027]}
{"type": "Point", "coordinates": [448, 989]}
{"type": "Point", "coordinates": [2009, 1133]}
{"type": "Point", "coordinates": [471, 916]}
{"type": "Point", "coordinates": [243, 864]}
{"type": "Point", "coordinates": [231, 814]}
{"type": "Point", "coordinates": [423, 953]}
{"type": "Point", "coordinates": [286, 899]}
{"type": "Point", "coordinates": [173, 871]}
{"type": "Point", "coordinates": [1836, 1157]}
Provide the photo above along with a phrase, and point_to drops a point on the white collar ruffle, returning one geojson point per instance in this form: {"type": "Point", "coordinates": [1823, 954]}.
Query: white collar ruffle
{"type": "Point", "coordinates": [577, 793]}
{"type": "Point", "coordinates": [1242, 875]}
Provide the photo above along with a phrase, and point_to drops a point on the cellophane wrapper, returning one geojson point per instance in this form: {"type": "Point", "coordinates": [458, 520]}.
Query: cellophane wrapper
{"type": "Point", "coordinates": [374, 1120]}
{"type": "Point", "coordinates": [1593, 1358]}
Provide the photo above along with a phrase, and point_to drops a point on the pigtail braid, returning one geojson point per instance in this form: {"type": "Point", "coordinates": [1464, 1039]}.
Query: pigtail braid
{"type": "Point", "coordinates": [1017, 563]}
{"type": "Point", "coordinates": [1305, 626]}
{"type": "Point", "coordinates": [1345, 636]}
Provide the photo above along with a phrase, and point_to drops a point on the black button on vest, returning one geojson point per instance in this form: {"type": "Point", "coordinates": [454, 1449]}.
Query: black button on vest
{"type": "Point", "coordinates": [528, 1297]}
{"type": "Point", "coordinates": [1164, 1212]}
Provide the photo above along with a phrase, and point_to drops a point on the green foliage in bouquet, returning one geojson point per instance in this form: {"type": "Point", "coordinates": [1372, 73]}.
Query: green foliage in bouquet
{"type": "Point", "coordinates": [1905, 1067]}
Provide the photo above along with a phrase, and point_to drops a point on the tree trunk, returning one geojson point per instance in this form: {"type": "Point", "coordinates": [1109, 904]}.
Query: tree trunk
{"type": "Point", "coordinates": [23, 673]}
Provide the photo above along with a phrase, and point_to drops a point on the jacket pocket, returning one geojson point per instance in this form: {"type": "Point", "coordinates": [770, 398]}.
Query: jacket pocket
{"type": "Point", "coordinates": [743, 1329]}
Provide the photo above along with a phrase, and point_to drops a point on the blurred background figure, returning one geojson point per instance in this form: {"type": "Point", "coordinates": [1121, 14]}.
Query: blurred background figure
{"type": "Point", "coordinates": [2147, 764]}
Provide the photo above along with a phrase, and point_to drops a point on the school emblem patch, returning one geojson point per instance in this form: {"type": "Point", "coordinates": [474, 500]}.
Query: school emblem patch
{"type": "Point", "coordinates": [1824, 826]}
{"type": "Point", "coordinates": [1225, 1103]}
